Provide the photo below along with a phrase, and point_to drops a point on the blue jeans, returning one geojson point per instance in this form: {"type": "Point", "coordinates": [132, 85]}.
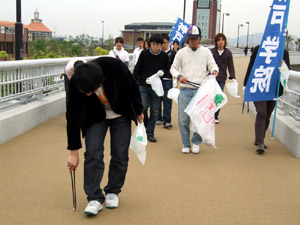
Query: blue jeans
{"type": "Point", "coordinates": [167, 103]}
{"type": "Point", "coordinates": [222, 85]}
{"type": "Point", "coordinates": [184, 98]}
{"type": "Point", "coordinates": [120, 133]}
{"type": "Point", "coordinates": [150, 99]}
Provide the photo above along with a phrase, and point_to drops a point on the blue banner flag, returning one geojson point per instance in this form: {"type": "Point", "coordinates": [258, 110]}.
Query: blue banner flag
{"type": "Point", "coordinates": [179, 31]}
{"type": "Point", "coordinates": [263, 79]}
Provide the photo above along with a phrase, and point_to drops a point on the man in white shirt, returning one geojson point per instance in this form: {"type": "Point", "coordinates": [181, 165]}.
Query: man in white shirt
{"type": "Point", "coordinates": [190, 64]}
{"type": "Point", "coordinates": [138, 50]}
{"type": "Point", "coordinates": [119, 52]}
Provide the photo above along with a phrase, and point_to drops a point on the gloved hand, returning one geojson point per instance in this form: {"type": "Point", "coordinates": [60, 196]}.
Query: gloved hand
{"type": "Point", "coordinates": [160, 73]}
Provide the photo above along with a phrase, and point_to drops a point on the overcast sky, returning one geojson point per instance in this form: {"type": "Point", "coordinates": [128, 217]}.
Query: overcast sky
{"type": "Point", "coordinates": [74, 17]}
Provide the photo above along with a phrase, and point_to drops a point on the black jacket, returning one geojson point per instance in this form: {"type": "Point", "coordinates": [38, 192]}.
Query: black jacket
{"type": "Point", "coordinates": [286, 58]}
{"type": "Point", "coordinates": [224, 61]}
{"type": "Point", "coordinates": [121, 90]}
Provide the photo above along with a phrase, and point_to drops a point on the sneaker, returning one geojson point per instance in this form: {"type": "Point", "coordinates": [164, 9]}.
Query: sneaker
{"type": "Point", "coordinates": [168, 125]}
{"type": "Point", "coordinates": [185, 150]}
{"type": "Point", "coordinates": [151, 138]}
{"type": "Point", "coordinates": [216, 121]}
{"type": "Point", "coordinates": [159, 122]}
{"type": "Point", "coordinates": [195, 149]}
{"type": "Point", "coordinates": [260, 149]}
{"type": "Point", "coordinates": [112, 201]}
{"type": "Point", "coordinates": [93, 208]}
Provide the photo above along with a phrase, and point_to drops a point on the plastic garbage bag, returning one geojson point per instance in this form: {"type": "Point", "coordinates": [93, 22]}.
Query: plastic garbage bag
{"type": "Point", "coordinates": [284, 75]}
{"type": "Point", "coordinates": [175, 83]}
{"type": "Point", "coordinates": [138, 142]}
{"type": "Point", "coordinates": [201, 109]}
{"type": "Point", "coordinates": [156, 84]}
{"type": "Point", "coordinates": [173, 94]}
{"type": "Point", "coordinates": [232, 88]}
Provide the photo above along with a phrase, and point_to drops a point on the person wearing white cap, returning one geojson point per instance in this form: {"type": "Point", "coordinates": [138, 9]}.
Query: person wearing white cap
{"type": "Point", "coordinates": [190, 64]}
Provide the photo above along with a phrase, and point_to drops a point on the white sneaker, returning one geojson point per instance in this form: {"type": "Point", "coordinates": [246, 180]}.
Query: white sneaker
{"type": "Point", "coordinates": [195, 149]}
{"type": "Point", "coordinates": [112, 201]}
{"type": "Point", "coordinates": [185, 150]}
{"type": "Point", "coordinates": [93, 208]}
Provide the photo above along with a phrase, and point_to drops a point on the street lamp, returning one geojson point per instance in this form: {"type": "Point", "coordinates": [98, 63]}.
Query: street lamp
{"type": "Point", "coordinates": [102, 34]}
{"type": "Point", "coordinates": [18, 33]}
{"type": "Point", "coordinates": [240, 25]}
{"type": "Point", "coordinates": [227, 14]}
{"type": "Point", "coordinates": [248, 32]}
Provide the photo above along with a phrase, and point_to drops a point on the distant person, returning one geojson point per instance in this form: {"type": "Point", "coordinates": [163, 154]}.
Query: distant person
{"type": "Point", "coordinates": [138, 50]}
{"type": "Point", "coordinates": [164, 116]}
{"type": "Point", "coordinates": [176, 46]}
{"type": "Point", "coordinates": [151, 61]}
{"type": "Point", "coordinates": [119, 52]}
{"type": "Point", "coordinates": [246, 50]}
{"type": "Point", "coordinates": [224, 60]}
{"type": "Point", "coordinates": [264, 109]}
{"type": "Point", "coordinates": [147, 44]}
{"type": "Point", "coordinates": [191, 64]}
{"type": "Point", "coordinates": [102, 96]}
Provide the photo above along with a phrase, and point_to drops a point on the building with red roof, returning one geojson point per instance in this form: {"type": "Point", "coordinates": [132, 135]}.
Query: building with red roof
{"type": "Point", "coordinates": [38, 30]}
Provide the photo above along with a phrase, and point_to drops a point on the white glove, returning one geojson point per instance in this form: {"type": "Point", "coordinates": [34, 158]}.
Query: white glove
{"type": "Point", "coordinates": [160, 73]}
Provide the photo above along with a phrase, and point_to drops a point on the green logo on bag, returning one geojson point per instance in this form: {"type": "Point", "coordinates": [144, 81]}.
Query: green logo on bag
{"type": "Point", "coordinates": [140, 138]}
{"type": "Point", "coordinates": [218, 99]}
{"type": "Point", "coordinates": [284, 83]}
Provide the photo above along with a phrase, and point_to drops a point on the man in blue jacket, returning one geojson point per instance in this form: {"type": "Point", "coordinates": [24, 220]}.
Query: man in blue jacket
{"type": "Point", "coordinates": [102, 94]}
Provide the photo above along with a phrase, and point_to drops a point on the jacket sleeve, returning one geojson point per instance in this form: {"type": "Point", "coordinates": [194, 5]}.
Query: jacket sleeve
{"type": "Point", "coordinates": [211, 63]}
{"type": "Point", "coordinates": [138, 67]}
{"type": "Point", "coordinates": [231, 66]}
{"type": "Point", "coordinates": [250, 65]}
{"type": "Point", "coordinates": [74, 116]}
{"type": "Point", "coordinates": [175, 68]}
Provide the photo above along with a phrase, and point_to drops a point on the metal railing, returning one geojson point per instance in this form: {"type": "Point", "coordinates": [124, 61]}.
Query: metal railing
{"type": "Point", "coordinates": [28, 80]}
{"type": "Point", "coordinates": [289, 102]}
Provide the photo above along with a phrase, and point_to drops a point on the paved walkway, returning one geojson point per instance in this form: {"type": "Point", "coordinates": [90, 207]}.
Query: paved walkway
{"type": "Point", "coordinates": [223, 186]}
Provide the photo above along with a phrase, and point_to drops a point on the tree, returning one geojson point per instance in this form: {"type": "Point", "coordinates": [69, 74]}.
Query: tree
{"type": "Point", "coordinates": [101, 51]}
{"type": "Point", "coordinates": [3, 55]}
{"type": "Point", "coordinates": [110, 42]}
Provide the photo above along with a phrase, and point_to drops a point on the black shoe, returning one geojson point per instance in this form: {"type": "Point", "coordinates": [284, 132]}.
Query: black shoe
{"type": "Point", "coordinates": [260, 149]}
{"type": "Point", "coordinates": [151, 138]}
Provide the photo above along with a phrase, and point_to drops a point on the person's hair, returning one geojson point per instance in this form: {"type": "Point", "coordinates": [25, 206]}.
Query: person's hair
{"type": "Point", "coordinates": [88, 77]}
{"type": "Point", "coordinates": [166, 37]}
{"type": "Point", "coordinates": [119, 39]}
{"type": "Point", "coordinates": [139, 39]}
{"type": "Point", "coordinates": [147, 41]}
{"type": "Point", "coordinates": [157, 38]}
{"type": "Point", "coordinates": [218, 36]}
{"type": "Point", "coordinates": [176, 41]}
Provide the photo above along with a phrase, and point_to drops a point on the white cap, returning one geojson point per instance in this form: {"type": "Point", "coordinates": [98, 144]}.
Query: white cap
{"type": "Point", "coordinates": [70, 67]}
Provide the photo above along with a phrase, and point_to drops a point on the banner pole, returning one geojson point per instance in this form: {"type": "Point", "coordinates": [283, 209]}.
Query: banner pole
{"type": "Point", "coordinates": [278, 83]}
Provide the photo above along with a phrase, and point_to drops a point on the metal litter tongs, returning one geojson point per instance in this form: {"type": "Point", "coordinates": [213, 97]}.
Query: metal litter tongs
{"type": "Point", "coordinates": [73, 189]}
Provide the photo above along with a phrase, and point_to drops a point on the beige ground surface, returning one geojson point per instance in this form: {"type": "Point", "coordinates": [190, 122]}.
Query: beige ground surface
{"type": "Point", "coordinates": [227, 185]}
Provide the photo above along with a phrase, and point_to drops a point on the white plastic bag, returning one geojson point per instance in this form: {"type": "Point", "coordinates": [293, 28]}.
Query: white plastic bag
{"type": "Point", "coordinates": [284, 76]}
{"type": "Point", "coordinates": [156, 84]}
{"type": "Point", "coordinates": [232, 88]}
{"type": "Point", "coordinates": [201, 109]}
{"type": "Point", "coordinates": [173, 94]}
{"type": "Point", "coordinates": [138, 142]}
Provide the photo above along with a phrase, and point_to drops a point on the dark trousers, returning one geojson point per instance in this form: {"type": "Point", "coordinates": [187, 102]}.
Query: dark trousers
{"type": "Point", "coordinates": [150, 99]}
{"type": "Point", "coordinates": [165, 114]}
{"type": "Point", "coordinates": [222, 85]}
{"type": "Point", "coordinates": [120, 133]}
{"type": "Point", "coordinates": [264, 110]}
